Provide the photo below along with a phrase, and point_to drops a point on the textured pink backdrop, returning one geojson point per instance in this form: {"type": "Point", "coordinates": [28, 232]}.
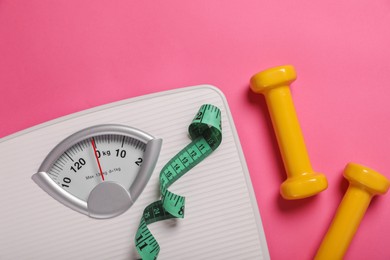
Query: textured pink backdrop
{"type": "Point", "coordinates": [60, 57]}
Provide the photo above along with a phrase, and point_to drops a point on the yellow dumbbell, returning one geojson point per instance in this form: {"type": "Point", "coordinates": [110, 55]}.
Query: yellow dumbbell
{"type": "Point", "coordinates": [301, 181]}
{"type": "Point", "coordinates": [364, 183]}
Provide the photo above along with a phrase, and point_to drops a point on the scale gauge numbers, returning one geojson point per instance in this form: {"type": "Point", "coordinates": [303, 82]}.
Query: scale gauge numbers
{"type": "Point", "coordinates": [100, 171]}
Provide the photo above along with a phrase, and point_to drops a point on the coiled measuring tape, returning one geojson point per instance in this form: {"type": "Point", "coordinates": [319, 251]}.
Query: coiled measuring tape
{"type": "Point", "coordinates": [206, 133]}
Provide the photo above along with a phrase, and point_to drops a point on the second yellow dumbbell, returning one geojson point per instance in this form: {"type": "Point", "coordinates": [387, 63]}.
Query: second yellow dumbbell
{"type": "Point", "coordinates": [364, 184]}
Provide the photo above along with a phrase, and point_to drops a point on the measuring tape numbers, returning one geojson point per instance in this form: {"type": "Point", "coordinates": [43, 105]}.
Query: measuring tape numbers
{"type": "Point", "coordinates": [206, 134]}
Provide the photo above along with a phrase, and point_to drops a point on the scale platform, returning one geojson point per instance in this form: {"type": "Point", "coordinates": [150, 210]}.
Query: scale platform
{"type": "Point", "coordinates": [222, 220]}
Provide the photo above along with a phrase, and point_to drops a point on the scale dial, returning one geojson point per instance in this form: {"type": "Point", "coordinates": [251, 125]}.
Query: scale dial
{"type": "Point", "coordinates": [100, 171]}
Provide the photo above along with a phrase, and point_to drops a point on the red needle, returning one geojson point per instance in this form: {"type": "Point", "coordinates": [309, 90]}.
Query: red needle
{"type": "Point", "coordinates": [96, 156]}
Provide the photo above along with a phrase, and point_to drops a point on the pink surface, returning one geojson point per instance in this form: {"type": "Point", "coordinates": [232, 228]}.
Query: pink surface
{"type": "Point", "coordinates": [60, 57]}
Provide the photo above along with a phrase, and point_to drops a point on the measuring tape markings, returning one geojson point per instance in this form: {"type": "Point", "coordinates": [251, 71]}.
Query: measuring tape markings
{"type": "Point", "coordinates": [206, 133]}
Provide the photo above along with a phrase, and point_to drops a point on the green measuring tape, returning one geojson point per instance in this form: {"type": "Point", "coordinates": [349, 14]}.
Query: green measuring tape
{"type": "Point", "coordinates": [206, 134]}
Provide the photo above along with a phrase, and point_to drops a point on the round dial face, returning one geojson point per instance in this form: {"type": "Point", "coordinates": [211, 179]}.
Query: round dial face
{"type": "Point", "coordinates": [101, 158]}
{"type": "Point", "coordinates": [101, 170]}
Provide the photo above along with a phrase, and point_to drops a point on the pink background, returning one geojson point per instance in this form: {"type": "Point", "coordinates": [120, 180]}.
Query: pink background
{"type": "Point", "coordinates": [60, 57]}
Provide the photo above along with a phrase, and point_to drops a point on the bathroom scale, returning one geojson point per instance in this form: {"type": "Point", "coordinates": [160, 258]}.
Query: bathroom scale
{"type": "Point", "coordinates": [76, 187]}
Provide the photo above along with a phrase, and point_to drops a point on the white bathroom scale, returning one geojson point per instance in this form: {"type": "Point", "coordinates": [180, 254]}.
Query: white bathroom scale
{"type": "Point", "coordinates": [53, 208]}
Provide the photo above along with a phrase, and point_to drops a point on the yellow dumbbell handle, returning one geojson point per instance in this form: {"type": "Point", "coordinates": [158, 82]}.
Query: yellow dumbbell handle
{"type": "Point", "coordinates": [288, 131]}
{"type": "Point", "coordinates": [345, 224]}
